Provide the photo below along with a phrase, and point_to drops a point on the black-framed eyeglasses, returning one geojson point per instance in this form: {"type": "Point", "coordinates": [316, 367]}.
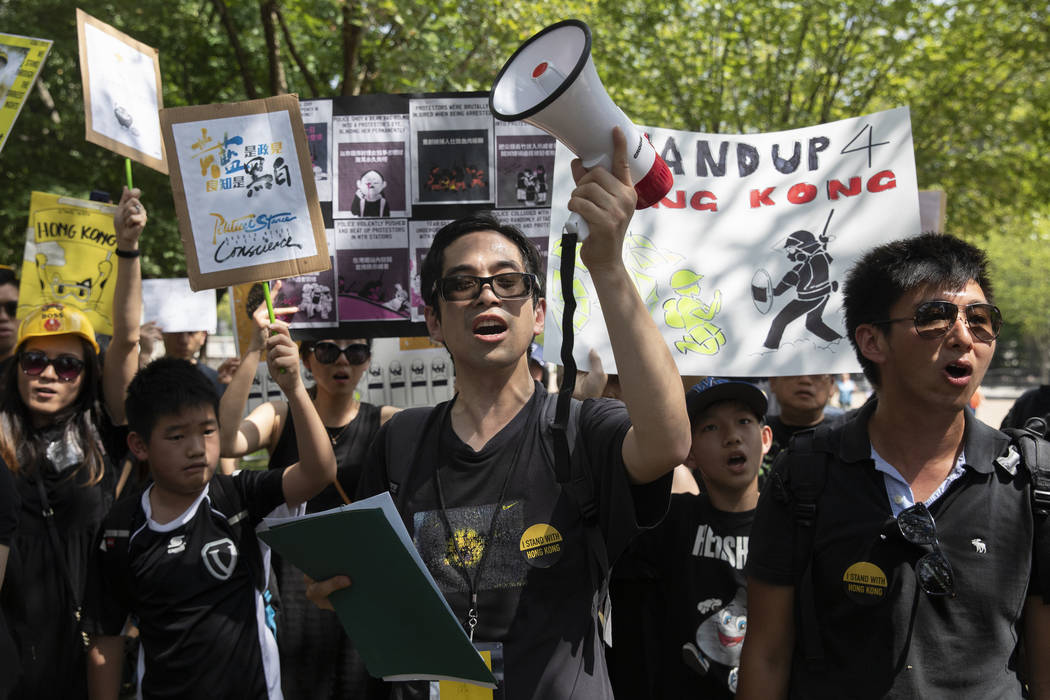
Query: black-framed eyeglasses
{"type": "Point", "coordinates": [506, 285]}
{"type": "Point", "coordinates": [932, 570]}
{"type": "Point", "coordinates": [67, 367]}
{"type": "Point", "coordinates": [934, 318]}
{"type": "Point", "coordinates": [10, 308]}
{"type": "Point", "coordinates": [328, 353]}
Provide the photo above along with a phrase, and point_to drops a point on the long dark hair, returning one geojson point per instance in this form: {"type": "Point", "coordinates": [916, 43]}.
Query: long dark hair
{"type": "Point", "coordinates": [22, 445]}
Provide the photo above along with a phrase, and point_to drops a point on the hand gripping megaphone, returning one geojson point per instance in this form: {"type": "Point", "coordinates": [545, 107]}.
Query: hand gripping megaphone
{"type": "Point", "coordinates": [550, 82]}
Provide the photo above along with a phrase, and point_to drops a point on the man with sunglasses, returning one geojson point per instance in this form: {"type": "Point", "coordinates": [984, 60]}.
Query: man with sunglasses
{"type": "Point", "coordinates": [474, 477]}
{"type": "Point", "coordinates": [8, 314]}
{"type": "Point", "coordinates": [897, 556]}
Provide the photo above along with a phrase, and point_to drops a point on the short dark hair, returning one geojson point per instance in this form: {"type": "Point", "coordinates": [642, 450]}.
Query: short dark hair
{"type": "Point", "coordinates": [886, 273]}
{"type": "Point", "coordinates": [166, 387]}
{"type": "Point", "coordinates": [8, 276]}
{"type": "Point", "coordinates": [434, 262]}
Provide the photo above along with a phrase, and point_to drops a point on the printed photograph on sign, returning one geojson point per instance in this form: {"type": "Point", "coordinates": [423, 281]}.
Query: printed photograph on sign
{"type": "Point", "coordinates": [21, 58]}
{"type": "Point", "coordinates": [524, 165]}
{"type": "Point", "coordinates": [246, 201]}
{"type": "Point", "coordinates": [420, 236]}
{"type": "Point", "coordinates": [741, 265]}
{"type": "Point", "coordinates": [372, 260]}
{"type": "Point", "coordinates": [317, 121]}
{"type": "Point", "coordinates": [535, 224]}
{"type": "Point", "coordinates": [452, 154]}
{"type": "Point", "coordinates": [314, 294]}
{"type": "Point", "coordinates": [69, 257]}
{"type": "Point", "coordinates": [122, 92]}
{"type": "Point", "coordinates": [371, 166]}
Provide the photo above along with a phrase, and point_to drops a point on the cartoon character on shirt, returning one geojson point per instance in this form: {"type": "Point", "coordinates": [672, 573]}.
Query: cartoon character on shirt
{"type": "Point", "coordinates": [719, 637]}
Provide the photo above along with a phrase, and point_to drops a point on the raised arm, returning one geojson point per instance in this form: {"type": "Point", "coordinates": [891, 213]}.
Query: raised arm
{"type": "Point", "coordinates": [659, 438]}
{"type": "Point", "coordinates": [122, 355]}
{"type": "Point", "coordinates": [263, 425]}
{"type": "Point", "coordinates": [316, 466]}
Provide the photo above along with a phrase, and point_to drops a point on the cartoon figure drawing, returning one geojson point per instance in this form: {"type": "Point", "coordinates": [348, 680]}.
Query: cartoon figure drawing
{"type": "Point", "coordinates": [810, 278]}
{"type": "Point", "coordinates": [368, 199]}
{"type": "Point", "coordinates": [85, 294]}
{"type": "Point", "coordinates": [316, 299]}
{"type": "Point", "coordinates": [648, 264]}
{"type": "Point", "coordinates": [719, 637]}
{"type": "Point", "coordinates": [689, 313]}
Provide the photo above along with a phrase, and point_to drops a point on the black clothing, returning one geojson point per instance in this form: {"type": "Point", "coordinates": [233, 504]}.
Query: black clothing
{"type": "Point", "coordinates": [534, 584]}
{"type": "Point", "coordinates": [199, 612]}
{"type": "Point", "coordinates": [882, 637]}
{"type": "Point", "coordinates": [1034, 403]}
{"type": "Point", "coordinates": [782, 434]}
{"type": "Point", "coordinates": [318, 660]}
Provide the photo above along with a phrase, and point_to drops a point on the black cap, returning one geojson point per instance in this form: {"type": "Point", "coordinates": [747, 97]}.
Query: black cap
{"type": "Point", "coordinates": [714, 389]}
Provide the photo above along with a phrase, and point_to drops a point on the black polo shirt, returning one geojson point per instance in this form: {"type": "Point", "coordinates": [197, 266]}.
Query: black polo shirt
{"type": "Point", "coordinates": [881, 635]}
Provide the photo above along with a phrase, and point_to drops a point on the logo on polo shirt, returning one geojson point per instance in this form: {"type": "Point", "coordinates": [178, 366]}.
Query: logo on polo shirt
{"type": "Point", "coordinates": [220, 558]}
{"type": "Point", "coordinates": [865, 583]}
{"type": "Point", "coordinates": [542, 545]}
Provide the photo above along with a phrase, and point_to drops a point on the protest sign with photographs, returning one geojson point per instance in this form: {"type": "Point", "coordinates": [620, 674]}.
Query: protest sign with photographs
{"type": "Point", "coordinates": [21, 58]}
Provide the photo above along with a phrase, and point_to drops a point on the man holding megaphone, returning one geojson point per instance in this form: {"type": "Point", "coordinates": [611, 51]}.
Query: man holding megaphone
{"type": "Point", "coordinates": [512, 546]}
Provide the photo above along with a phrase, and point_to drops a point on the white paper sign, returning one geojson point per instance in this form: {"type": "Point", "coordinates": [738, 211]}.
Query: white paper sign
{"type": "Point", "coordinates": [172, 305]}
{"type": "Point", "coordinates": [742, 264]}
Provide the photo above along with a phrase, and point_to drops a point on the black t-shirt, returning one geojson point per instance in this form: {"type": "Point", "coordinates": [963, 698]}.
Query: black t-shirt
{"type": "Point", "coordinates": [198, 610]}
{"type": "Point", "coordinates": [698, 554]}
{"type": "Point", "coordinates": [881, 635]}
{"type": "Point", "coordinates": [9, 503]}
{"type": "Point", "coordinates": [534, 586]}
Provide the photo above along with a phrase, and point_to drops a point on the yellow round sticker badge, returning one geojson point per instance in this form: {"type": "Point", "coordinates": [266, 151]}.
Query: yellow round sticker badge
{"type": "Point", "coordinates": [865, 583]}
{"type": "Point", "coordinates": [541, 545]}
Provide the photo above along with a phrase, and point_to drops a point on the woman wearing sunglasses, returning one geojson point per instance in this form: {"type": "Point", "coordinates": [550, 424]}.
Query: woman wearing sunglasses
{"type": "Point", "coordinates": [59, 408]}
{"type": "Point", "coordinates": [317, 658]}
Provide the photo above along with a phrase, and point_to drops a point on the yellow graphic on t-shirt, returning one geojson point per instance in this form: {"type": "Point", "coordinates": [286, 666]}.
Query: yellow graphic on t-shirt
{"type": "Point", "coordinates": [464, 548]}
{"type": "Point", "coordinates": [866, 580]}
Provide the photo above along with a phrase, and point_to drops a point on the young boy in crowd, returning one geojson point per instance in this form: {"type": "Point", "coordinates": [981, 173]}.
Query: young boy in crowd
{"type": "Point", "coordinates": [181, 554]}
{"type": "Point", "coordinates": [698, 552]}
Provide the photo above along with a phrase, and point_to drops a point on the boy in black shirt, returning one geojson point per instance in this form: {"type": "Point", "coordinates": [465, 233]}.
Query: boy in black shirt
{"type": "Point", "coordinates": [699, 550]}
{"type": "Point", "coordinates": [181, 555]}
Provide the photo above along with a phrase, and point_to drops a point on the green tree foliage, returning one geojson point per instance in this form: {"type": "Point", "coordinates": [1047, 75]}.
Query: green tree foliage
{"type": "Point", "coordinates": [972, 72]}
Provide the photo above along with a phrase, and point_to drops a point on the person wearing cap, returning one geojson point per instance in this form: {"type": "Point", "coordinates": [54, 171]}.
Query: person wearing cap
{"type": "Point", "coordinates": [60, 441]}
{"type": "Point", "coordinates": [696, 556]}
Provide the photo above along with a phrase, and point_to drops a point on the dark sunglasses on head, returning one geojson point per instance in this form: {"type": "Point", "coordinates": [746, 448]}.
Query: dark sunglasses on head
{"type": "Point", "coordinates": [932, 570]}
{"type": "Point", "coordinates": [507, 285]}
{"type": "Point", "coordinates": [10, 308]}
{"type": "Point", "coordinates": [934, 318]}
{"type": "Point", "coordinates": [67, 367]}
{"type": "Point", "coordinates": [328, 353]}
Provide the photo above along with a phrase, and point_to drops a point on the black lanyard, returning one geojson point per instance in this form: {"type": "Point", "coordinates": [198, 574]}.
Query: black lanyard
{"type": "Point", "coordinates": [460, 560]}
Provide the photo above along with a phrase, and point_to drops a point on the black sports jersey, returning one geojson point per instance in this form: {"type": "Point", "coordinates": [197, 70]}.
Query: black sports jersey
{"type": "Point", "coordinates": [200, 616]}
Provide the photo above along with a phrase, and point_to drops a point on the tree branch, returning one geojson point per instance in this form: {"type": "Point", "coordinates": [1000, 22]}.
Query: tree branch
{"type": "Point", "coordinates": [351, 47]}
{"type": "Point", "coordinates": [238, 50]}
{"type": "Point", "coordinates": [311, 80]}
{"type": "Point", "coordinates": [278, 85]}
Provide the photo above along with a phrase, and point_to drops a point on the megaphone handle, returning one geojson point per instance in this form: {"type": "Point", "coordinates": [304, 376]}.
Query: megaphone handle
{"type": "Point", "coordinates": [575, 224]}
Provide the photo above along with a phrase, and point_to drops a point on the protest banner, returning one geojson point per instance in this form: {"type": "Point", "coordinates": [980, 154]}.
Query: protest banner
{"type": "Point", "coordinates": [122, 92]}
{"type": "Point", "coordinates": [175, 308]}
{"type": "Point", "coordinates": [741, 265]}
{"type": "Point", "coordinates": [21, 58]}
{"type": "Point", "coordinates": [69, 257]}
{"type": "Point", "coordinates": [244, 192]}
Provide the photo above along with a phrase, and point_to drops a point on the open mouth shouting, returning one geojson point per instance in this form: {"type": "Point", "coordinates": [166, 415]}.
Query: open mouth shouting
{"type": "Point", "coordinates": [737, 462]}
{"type": "Point", "coordinates": [489, 328]}
{"type": "Point", "coordinates": [958, 372]}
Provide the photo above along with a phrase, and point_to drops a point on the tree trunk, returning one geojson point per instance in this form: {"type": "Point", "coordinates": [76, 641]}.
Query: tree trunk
{"type": "Point", "coordinates": [311, 80]}
{"type": "Point", "coordinates": [277, 83]}
{"type": "Point", "coordinates": [238, 50]}
{"type": "Point", "coordinates": [351, 47]}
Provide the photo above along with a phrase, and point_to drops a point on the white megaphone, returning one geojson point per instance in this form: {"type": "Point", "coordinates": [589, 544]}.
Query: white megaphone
{"type": "Point", "coordinates": [550, 82]}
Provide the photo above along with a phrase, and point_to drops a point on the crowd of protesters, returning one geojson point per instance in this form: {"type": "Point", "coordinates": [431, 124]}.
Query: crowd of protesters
{"type": "Point", "coordinates": [898, 550]}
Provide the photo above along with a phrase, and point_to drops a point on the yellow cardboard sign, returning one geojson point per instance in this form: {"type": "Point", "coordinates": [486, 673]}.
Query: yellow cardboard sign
{"type": "Point", "coordinates": [21, 58]}
{"type": "Point", "coordinates": [69, 257]}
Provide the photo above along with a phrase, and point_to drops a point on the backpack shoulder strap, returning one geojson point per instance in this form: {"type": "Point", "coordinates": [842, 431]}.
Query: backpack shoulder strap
{"type": "Point", "coordinates": [1028, 448]}
{"type": "Point", "coordinates": [125, 517]}
{"type": "Point", "coordinates": [802, 471]}
{"type": "Point", "coordinates": [406, 431]}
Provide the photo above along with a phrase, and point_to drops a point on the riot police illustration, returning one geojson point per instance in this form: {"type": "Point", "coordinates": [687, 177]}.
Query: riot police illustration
{"type": "Point", "coordinates": [809, 277]}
